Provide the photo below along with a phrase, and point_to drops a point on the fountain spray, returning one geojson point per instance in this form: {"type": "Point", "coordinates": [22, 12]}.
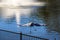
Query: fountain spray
{"type": "Point", "coordinates": [18, 8]}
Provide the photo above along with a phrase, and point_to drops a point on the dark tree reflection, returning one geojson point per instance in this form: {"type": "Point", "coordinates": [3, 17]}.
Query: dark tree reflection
{"type": "Point", "coordinates": [51, 15]}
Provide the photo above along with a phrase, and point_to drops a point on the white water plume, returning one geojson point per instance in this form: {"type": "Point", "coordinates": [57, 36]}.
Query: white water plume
{"type": "Point", "coordinates": [14, 8]}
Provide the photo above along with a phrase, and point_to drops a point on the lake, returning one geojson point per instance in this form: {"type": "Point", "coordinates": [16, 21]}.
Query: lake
{"type": "Point", "coordinates": [39, 31]}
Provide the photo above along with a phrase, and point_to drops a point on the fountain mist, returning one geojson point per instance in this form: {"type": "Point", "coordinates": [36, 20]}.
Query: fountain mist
{"type": "Point", "coordinates": [13, 8]}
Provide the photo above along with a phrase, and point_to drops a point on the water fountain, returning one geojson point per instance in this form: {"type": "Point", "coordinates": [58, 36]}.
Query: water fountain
{"type": "Point", "coordinates": [18, 8]}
